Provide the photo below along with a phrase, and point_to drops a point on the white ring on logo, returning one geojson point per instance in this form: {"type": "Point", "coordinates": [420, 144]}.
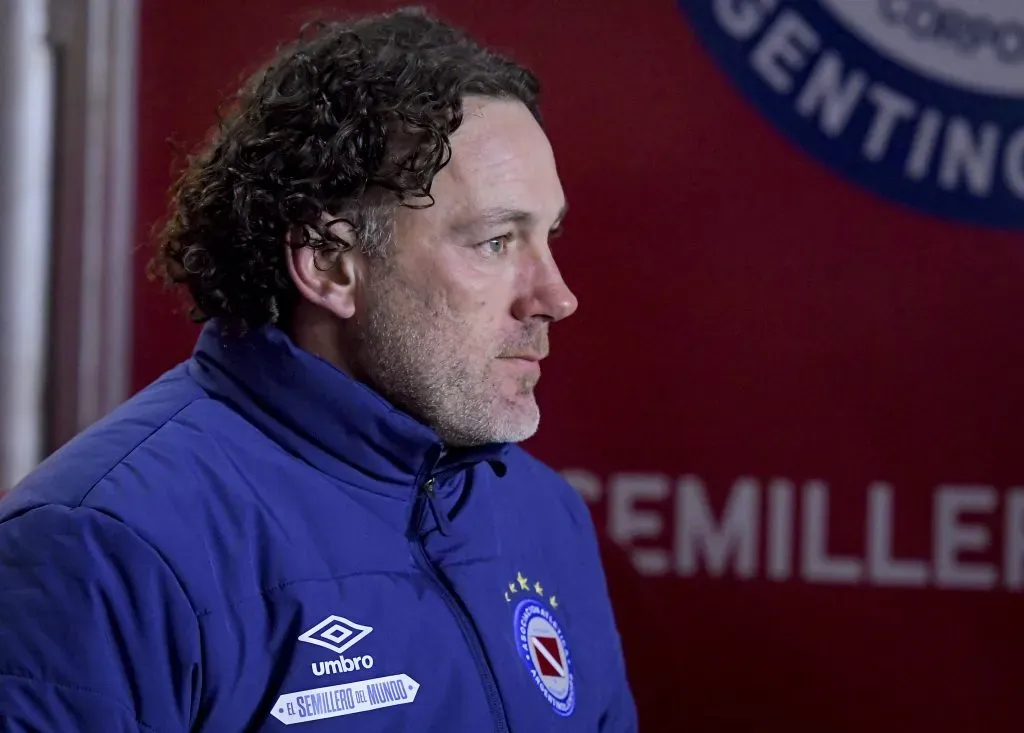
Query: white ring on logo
{"type": "Point", "coordinates": [974, 45]}
{"type": "Point", "coordinates": [544, 651]}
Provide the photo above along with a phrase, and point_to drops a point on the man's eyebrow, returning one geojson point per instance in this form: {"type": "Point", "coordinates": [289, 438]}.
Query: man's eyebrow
{"type": "Point", "coordinates": [499, 215]}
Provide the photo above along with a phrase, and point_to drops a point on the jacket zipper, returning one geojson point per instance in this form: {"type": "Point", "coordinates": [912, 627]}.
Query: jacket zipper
{"type": "Point", "coordinates": [461, 617]}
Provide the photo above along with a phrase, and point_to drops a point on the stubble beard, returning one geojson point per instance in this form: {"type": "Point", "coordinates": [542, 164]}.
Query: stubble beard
{"type": "Point", "coordinates": [423, 359]}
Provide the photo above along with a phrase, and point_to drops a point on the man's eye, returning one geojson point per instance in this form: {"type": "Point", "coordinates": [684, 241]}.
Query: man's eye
{"type": "Point", "coordinates": [494, 247]}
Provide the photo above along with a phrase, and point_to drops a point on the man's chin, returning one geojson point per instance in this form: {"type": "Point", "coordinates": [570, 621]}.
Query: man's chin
{"type": "Point", "coordinates": [520, 422]}
{"type": "Point", "coordinates": [511, 420]}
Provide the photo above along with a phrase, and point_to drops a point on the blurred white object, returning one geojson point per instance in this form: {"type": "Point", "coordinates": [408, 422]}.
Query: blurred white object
{"type": "Point", "coordinates": [67, 164]}
{"type": "Point", "coordinates": [27, 89]}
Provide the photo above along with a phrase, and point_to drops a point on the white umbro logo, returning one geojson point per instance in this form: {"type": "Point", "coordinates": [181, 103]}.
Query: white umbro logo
{"type": "Point", "coordinates": [336, 633]}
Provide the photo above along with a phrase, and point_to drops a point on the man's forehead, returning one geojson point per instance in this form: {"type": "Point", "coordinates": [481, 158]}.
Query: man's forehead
{"type": "Point", "coordinates": [502, 167]}
{"type": "Point", "coordinates": [501, 171]}
{"type": "Point", "coordinates": [499, 160]}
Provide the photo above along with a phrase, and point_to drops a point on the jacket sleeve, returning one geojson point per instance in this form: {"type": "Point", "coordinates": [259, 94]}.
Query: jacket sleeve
{"type": "Point", "coordinates": [95, 632]}
{"type": "Point", "coordinates": [620, 713]}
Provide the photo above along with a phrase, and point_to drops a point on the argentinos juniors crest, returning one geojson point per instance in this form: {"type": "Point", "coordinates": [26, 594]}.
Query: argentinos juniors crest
{"type": "Point", "coordinates": [542, 644]}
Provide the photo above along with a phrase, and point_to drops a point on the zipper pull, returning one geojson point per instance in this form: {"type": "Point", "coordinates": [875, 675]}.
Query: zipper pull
{"type": "Point", "coordinates": [440, 515]}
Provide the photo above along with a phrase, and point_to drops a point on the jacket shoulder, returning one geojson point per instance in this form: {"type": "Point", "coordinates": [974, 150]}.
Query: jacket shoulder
{"type": "Point", "coordinates": [70, 473]}
{"type": "Point", "coordinates": [544, 485]}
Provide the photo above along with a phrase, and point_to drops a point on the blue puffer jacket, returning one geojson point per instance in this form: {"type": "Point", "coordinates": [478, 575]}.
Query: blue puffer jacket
{"type": "Point", "coordinates": [257, 541]}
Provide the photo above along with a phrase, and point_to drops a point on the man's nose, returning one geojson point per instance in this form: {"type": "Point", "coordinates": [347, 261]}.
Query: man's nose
{"type": "Point", "coordinates": [550, 297]}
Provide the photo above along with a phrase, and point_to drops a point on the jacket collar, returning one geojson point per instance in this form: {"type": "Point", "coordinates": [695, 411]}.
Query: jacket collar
{"type": "Point", "coordinates": [327, 418]}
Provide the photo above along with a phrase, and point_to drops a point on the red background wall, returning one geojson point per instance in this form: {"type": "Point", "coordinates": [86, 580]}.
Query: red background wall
{"type": "Point", "coordinates": [744, 313]}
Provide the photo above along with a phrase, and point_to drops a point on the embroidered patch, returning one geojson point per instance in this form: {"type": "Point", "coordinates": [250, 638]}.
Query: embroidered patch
{"type": "Point", "coordinates": [544, 651]}
{"type": "Point", "coordinates": [304, 706]}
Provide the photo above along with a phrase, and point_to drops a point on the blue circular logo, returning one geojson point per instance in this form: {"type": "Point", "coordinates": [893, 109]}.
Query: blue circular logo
{"type": "Point", "coordinates": [921, 101]}
{"type": "Point", "coordinates": [543, 650]}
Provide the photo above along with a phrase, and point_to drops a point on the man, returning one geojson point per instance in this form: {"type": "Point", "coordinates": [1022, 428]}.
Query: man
{"type": "Point", "coordinates": [322, 517]}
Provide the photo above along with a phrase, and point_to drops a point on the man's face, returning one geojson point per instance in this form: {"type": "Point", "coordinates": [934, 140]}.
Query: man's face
{"type": "Point", "coordinates": [452, 325]}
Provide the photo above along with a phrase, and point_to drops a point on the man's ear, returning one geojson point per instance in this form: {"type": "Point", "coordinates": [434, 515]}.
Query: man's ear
{"type": "Point", "coordinates": [327, 276]}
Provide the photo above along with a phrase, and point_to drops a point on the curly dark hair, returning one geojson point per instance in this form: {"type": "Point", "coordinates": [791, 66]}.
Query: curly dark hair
{"type": "Point", "coordinates": [344, 124]}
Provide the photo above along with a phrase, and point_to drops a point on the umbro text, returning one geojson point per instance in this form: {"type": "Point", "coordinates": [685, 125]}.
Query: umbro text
{"type": "Point", "coordinates": [342, 664]}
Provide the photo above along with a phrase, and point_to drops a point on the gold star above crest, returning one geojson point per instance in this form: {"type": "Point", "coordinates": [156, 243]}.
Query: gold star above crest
{"type": "Point", "coordinates": [522, 585]}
